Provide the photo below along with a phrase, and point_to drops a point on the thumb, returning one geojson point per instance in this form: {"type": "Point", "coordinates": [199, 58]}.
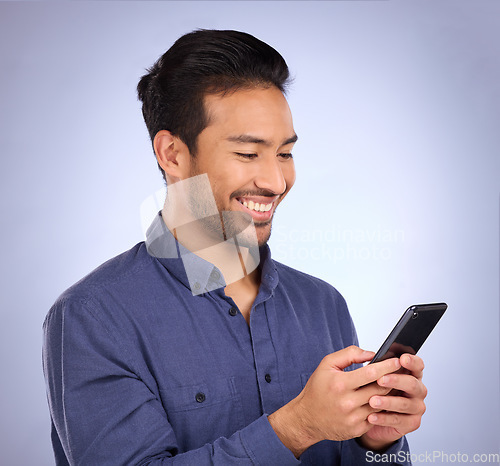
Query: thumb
{"type": "Point", "coordinates": [347, 356]}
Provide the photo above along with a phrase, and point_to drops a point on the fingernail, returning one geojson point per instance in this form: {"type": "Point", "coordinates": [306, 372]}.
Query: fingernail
{"type": "Point", "coordinates": [373, 418]}
{"type": "Point", "coordinates": [407, 360]}
{"type": "Point", "coordinates": [383, 380]}
{"type": "Point", "coordinates": [376, 402]}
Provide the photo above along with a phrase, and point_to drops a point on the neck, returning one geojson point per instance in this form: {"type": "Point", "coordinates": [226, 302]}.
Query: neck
{"type": "Point", "coordinates": [236, 263]}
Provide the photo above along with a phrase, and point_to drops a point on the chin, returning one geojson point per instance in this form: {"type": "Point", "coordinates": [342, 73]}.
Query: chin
{"type": "Point", "coordinates": [263, 234]}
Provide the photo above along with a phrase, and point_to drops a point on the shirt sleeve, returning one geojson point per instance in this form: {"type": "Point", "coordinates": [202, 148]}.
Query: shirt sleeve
{"type": "Point", "coordinates": [103, 413]}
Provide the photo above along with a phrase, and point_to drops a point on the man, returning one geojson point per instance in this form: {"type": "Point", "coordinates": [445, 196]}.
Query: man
{"type": "Point", "coordinates": [195, 347]}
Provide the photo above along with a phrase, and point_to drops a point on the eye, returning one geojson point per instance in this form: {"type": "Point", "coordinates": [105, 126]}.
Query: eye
{"type": "Point", "coordinates": [246, 156]}
{"type": "Point", "coordinates": [286, 155]}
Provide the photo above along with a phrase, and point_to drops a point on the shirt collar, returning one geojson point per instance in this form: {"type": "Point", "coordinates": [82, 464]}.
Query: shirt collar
{"type": "Point", "coordinates": [197, 274]}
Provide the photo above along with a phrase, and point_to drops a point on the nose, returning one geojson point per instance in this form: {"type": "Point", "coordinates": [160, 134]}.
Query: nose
{"type": "Point", "coordinates": [270, 176]}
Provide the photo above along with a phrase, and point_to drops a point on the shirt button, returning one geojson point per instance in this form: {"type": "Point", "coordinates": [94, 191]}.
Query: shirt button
{"type": "Point", "coordinates": [268, 378]}
{"type": "Point", "coordinates": [215, 275]}
{"type": "Point", "coordinates": [200, 397]}
{"type": "Point", "coordinates": [233, 311]}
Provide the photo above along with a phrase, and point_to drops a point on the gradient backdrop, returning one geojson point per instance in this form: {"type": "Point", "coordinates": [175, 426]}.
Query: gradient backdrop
{"type": "Point", "coordinates": [397, 106]}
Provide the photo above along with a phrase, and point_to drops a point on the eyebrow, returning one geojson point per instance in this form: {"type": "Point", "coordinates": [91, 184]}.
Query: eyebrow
{"type": "Point", "coordinates": [249, 139]}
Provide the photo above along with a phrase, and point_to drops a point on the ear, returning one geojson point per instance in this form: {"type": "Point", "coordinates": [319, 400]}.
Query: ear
{"type": "Point", "coordinates": [172, 154]}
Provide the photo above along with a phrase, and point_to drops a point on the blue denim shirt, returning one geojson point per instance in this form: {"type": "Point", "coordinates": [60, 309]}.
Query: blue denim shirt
{"type": "Point", "coordinates": [140, 370]}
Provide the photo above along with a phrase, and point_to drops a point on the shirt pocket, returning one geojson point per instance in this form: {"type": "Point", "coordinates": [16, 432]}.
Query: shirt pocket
{"type": "Point", "coordinates": [202, 412]}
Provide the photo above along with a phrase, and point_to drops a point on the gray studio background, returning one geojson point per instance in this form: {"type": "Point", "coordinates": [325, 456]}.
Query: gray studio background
{"type": "Point", "coordinates": [397, 106]}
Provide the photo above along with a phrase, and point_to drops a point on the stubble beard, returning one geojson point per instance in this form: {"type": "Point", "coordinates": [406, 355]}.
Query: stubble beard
{"type": "Point", "coordinates": [231, 223]}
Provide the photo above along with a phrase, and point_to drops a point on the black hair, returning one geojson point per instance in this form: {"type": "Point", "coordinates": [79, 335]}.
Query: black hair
{"type": "Point", "coordinates": [199, 63]}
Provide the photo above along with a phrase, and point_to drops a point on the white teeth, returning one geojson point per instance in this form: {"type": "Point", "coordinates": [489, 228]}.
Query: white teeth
{"type": "Point", "coordinates": [258, 207]}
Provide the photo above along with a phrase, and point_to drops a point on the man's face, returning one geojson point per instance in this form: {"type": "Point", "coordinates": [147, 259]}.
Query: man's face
{"type": "Point", "coordinates": [246, 153]}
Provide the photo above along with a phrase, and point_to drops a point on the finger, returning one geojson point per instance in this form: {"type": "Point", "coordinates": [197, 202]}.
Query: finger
{"type": "Point", "coordinates": [363, 394]}
{"type": "Point", "coordinates": [413, 363]}
{"type": "Point", "coordinates": [398, 404]}
{"type": "Point", "coordinates": [403, 423]}
{"type": "Point", "coordinates": [347, 356]}
{"type": "Point", "coordinates": [357, 419]}
{"type": "Point", "coordinates": [412, 386]}
{"type": "Point", "coordinates": [372, 372]}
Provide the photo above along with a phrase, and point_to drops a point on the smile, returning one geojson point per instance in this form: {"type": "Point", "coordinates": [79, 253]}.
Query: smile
{"type": "Point", "coordinates": [261, 211]}
{"type": "Point", "coordinates": [257, 207]}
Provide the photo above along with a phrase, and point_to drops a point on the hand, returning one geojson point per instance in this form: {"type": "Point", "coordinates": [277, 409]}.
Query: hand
{"type": "Point", "coordinates": [401, 414]}
{"type": "Point", "coordinates": [334, 404]}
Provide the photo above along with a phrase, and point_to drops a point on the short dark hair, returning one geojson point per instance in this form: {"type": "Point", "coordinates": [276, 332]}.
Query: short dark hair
{"type": "Point", "coordinates": [200, 63]}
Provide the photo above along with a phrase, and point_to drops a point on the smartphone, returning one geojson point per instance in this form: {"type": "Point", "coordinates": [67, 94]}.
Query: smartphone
{"type": "Point", "coordinates": [411, 331]}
